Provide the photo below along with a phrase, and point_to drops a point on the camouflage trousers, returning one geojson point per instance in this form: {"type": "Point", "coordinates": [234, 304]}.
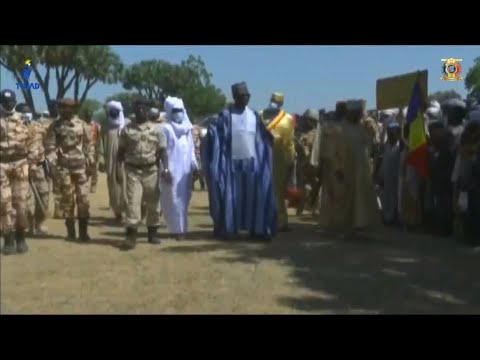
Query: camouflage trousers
{"type": "Point", "coordinates": [56, 191]}
{"type": "Point", "coordinates": [74, 188]}
{"type": "Point", "coordinates": [38, 212]}
{"type": "Point", "coordinates": [142, 184]}
{"type": "Point", "coordinates": [14, 190]}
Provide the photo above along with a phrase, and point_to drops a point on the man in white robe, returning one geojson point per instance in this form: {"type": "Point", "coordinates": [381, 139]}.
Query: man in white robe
{"type": "Point", "coordinates": [175, 197]}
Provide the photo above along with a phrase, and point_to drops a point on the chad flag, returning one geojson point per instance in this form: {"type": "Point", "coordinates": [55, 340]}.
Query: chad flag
{"type": "Point", "coordinates": [417, 139]}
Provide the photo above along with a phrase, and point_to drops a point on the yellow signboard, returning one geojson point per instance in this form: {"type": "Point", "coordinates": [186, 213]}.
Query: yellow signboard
{"type": "Point", "coordinates": [395, 92]}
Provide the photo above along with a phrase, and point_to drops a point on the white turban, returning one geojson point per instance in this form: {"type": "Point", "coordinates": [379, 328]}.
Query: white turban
{"type": "Point", "coordinates": [120, 120]}
{"type": "Point", "coordinates": [389, 112]}
{"type": "Point", "coordinates": [176, 103]}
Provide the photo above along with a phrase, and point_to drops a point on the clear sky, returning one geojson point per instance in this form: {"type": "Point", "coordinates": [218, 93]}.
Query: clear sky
{"type": "Point", "coordinates": [309, 76]}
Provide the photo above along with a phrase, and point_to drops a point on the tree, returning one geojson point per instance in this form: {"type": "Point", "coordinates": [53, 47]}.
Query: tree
{"type": "Point", "coordinates": [127, 99]}
{"type": "Point", "coordinates": [441, 96]}
{"type": "Point", "coordinates": [76, 68]}
{"type": "Point", "coordinates": [190, 80]}
{"type": "Point", "coordinates": [472, 80]}
{"type": "Point", "coordinates": [89, 104]}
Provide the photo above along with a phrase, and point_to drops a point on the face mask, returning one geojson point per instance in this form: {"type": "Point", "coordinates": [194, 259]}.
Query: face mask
{"type": "Point", "coordinates": [113, 113]}
{"type": "Point", "coordinates": [177, 117]}
{"type": "Point", "coordinates": [274, 105]}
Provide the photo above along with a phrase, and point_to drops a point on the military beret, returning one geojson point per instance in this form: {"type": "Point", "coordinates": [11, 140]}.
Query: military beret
{"type": "Point", "coordinates": [277, 97]}
{"type": "Point", "coordinates": [66, 103]}
{"type": "Point", "coordinates": [8, 94]}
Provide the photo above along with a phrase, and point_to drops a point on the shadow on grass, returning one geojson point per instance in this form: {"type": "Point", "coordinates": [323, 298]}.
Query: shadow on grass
{"type": "Point", "coordinates": [388, 272]}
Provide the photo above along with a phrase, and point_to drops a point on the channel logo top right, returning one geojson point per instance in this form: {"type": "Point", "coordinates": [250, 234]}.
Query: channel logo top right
{"type": "Point", "coordinates": [451, 69]}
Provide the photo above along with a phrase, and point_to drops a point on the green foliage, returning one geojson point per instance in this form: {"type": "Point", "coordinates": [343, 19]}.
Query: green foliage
{"type": "Point", "coordinates": [190, 80]}
{"type": "Point", "coordinates": [71, 67]}
{"type": "Point", "coordinates": [89, 104]}
{"type": "Point", "coordinates": [472, 80]}
{"type": "Point", "coordinates": [441, 96]}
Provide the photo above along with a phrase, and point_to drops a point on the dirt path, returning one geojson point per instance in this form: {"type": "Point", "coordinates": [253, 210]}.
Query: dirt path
{"type": "Point", "coordinates": [304, 271]}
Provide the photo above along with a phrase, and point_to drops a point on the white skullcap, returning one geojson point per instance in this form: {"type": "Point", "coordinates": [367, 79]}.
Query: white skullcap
{"type": "Point", "coordinates": [46, 113]}
{"type": "Point", "coordinates": [355, 105]}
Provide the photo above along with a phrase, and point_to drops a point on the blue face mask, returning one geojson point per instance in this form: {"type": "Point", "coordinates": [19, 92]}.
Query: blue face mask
{"type": "Point", "coordinates": [177, 117]}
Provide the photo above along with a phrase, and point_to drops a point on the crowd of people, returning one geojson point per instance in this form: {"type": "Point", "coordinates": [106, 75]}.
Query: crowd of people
{"type": "Point", "coordinates": [349, 167]}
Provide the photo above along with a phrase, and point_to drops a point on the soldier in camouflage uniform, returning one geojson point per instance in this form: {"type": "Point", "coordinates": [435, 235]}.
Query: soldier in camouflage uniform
{"type": "Point", "coordinates": [47, 121]}
{"type": "Point", "coordinates": [17, 157]}
{"type": "Point", "coordinates": [141, 147]}
{"type": "Point", "coordinates": [373, 131]}
{"type": "Point", "coordinates": [95, 132]}
{"type": "Point", "coordinates": [307, 175]}
{"type": "Point", "coordinates": [69, 148]}
{"type": "Point", "coordinates": [40, 177]}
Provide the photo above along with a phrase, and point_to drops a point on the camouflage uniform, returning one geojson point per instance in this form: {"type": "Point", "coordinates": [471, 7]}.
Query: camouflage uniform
{"type": "Point", "coordinates": [95, 131]}
{"type": "Point", "coordinates": [69, 148]}
{"type": "Point", "coordinates": [39, 178]}
{"type": "Point", "coordinates": [57, 213]}
{"type": "Point", "coordinates": [16, 155]}
{"type": "Point", "coordinates": [140, 144]}
{"type": "Point", "coordinates": [307, 175]}
{"type": "Point", "coordinates": [373, 131]}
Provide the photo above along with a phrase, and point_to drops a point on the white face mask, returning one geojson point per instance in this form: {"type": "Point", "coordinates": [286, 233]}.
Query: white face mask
{"type": "Point", "coordinates": [177, 117]}
{"type": "Point", "coordinates": [274, 105]}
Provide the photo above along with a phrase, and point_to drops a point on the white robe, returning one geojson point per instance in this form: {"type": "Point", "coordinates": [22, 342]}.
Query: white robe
{"type": "Point", "coordinates": [175, 198]}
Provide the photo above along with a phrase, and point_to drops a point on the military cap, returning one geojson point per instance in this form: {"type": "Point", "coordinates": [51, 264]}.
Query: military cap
{"type": "Point", "coordinates": [8, 94]}
{"type": "Point", "coordinates": [66, 103]}
{"type": "Point", "coordinates": [277, 97]}
{"type": "Point", "coordinates": [240, 88]}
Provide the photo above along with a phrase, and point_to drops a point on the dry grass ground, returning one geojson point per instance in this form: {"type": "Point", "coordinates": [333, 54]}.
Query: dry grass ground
{"type": "Point", "coordinates": [304, 271]}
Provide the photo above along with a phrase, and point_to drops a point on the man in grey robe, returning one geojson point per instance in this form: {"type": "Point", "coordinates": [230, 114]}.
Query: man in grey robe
{"type": "Point", "coordinates": [108, 157]}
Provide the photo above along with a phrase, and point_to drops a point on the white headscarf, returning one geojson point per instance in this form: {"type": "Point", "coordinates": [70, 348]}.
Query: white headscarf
{"type": "Point", "coordinates": [180, 128]}
{"type": "Point", "coordinates": [120, 120]}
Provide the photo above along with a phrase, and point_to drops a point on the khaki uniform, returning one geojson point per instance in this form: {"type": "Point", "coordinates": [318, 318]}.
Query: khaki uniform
{"type": "Point", "coordinates": [141, 144]}
{"type": "Point", "coordinates": [95, 132]}
{"type": "Point", "coordinates": [307, 179]}
{"type": "Point", "coordinates": [47, 121]}
{"type": "Point", "coordinates": [373, 131]}
{"type": "Point", "coordinates": [38, 176]}
{"type": "Point", "coordinates": [69, 149]}
{"type": "Point", "coordinates": [16, 154]}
